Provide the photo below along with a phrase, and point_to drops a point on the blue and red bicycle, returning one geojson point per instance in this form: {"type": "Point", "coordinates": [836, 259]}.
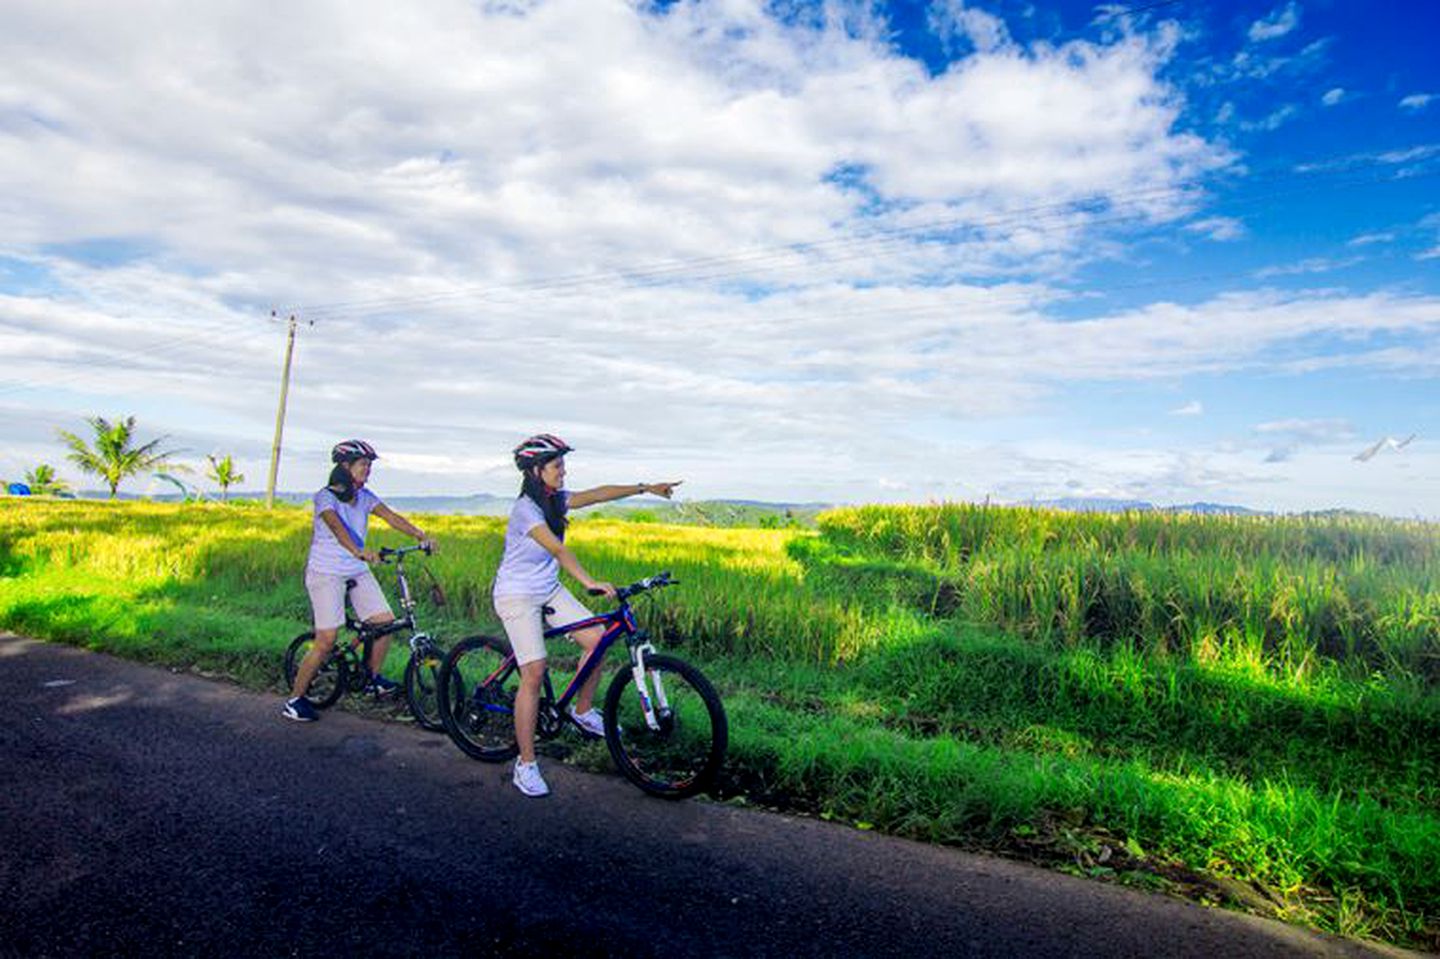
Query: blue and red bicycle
{"type": "Point", "coordinates": [664, 723]}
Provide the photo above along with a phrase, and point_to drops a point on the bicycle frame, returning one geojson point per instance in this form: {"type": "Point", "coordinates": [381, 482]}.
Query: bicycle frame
{"type": "Point", "coordinates": [366, 633]}
{"type": "Point", "coordinates": [619, 622]}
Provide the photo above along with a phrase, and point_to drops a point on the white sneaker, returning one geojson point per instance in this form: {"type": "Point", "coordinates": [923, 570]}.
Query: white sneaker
{"type": "Point", "coordinates": [528, 780]}
{"type": "Point", "coordinates": [590, 722]}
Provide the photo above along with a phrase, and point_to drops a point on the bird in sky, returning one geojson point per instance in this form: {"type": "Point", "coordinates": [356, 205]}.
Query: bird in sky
{"type": "Point", "coordinates": [1390, 441]}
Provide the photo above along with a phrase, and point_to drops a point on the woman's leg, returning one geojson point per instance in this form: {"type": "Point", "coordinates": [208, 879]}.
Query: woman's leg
{"type": "Point", "coordinates": [370, 605]}
{"type": "Point", "coordinates": [527, 706]}
{"type": "Point", "coordinates": [381, 646]}
{"type": "Point", "coordinates": [324, 642]}
{"type": "Point", "coordinates": [327, 606]}
{"type": "Point", "coordinates": [588, 640]}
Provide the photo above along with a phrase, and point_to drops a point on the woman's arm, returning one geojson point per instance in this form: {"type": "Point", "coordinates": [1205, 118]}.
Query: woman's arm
{"type": "Point", "coordinates": [399, 522]}
{"type": "Point", "coordinates": [604, 494]}
{"type": "Point", "coordinates": [342, 536]}
{"type": "Point", "coordinates": [568, 560]}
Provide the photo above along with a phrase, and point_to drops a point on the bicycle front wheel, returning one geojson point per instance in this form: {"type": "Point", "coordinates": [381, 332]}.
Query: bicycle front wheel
{"type": "Point", "coordinates": [329, 680]}
{"type": "Point", "coordinates": [681, 754]}
{"type": "Point", "coordinates": [476, 687]}
{"type": "Point", "coordinates": [422, 686]}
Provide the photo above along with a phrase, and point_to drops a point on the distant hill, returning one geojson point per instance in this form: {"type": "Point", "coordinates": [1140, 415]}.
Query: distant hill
{"type": "Point", "coordinates": [715, 512]}
{"type": "Point", "coordinates": [1102, 505]}
{"type": "Point", "coordinates": [476, 504]}
{"type": "Point", "coordinates": [727, 512]}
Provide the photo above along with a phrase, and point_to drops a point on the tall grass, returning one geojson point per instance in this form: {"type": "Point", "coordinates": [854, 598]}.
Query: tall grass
{"type": "Point", "coordinates": [1296, 594]}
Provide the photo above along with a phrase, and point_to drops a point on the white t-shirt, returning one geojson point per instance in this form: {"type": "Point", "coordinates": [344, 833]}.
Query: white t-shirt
{"type": "Point", "coordinates": [326, 554]}
{"type": "Point", "coordinates": [526, 568]}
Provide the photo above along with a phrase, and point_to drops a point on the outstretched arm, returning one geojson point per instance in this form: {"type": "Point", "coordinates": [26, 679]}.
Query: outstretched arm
{"type": "Point", "coordinates": [399, 522]}
{"type": "Point", "coordinates": [604, 494]}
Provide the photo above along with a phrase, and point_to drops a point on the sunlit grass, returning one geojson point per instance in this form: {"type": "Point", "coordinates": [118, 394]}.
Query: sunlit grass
{"type": "Point", "coordinates": [1251, 698]}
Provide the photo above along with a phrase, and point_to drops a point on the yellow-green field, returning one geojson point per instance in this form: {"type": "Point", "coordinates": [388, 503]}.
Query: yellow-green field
{"type": "Point", "coordinates": [1243, 710]}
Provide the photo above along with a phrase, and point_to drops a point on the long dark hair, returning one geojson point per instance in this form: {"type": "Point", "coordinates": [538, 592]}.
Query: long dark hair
{"type": "Point", "coordinates": [552, 505]}
{"type": "Point", "coordinates": [341, 483]}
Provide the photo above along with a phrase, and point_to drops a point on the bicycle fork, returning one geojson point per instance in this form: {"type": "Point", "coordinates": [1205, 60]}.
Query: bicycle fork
{"type": "Point", "coordinates": [653, 705]}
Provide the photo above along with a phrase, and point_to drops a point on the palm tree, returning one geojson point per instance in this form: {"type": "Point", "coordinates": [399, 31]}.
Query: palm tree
{"type": "Point", "coordinates": [42, 480]}
{"type": "Point", "coordinates": [113, 458]}
{"type": "Point", "coordinates": [224, 473]}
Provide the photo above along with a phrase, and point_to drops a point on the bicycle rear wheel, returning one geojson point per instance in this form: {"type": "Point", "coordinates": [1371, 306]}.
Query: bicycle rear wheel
{"type": "Point", "coordinates": [422, 685]}
{"type": "Point", "coordinates": [682, 756]}
{"type": "Point", "coordinates": [477, 686]}
{"type": "Point", "coordinates": [329, 680]}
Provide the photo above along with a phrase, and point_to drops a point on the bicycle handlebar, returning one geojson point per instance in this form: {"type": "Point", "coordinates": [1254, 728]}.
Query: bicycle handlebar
{"type": "Point", "coordinates": [386, 552]}
{"type": "Point", "coordinates": [658, 581]}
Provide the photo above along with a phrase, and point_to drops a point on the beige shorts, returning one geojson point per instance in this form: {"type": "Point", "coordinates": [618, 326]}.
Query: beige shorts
{"type": "Point", "coordinates": [525, 623]}
{"type": "Point", "coordinates": [327, 598]}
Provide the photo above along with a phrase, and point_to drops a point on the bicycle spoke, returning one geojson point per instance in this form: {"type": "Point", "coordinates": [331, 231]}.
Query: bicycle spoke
{"type": "Point", "coordinates": [479, 698]}
{"type": "Point", "coordinates": [680, 755]}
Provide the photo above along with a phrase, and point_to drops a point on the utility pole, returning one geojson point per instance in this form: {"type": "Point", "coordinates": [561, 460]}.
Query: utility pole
{"type": "Point", "coordinates": [280, 414]}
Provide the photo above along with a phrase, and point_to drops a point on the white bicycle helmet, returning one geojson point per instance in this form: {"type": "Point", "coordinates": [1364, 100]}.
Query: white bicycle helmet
{"type": "Point", "coordinates": [539, 450]}
{"type": "Point", "coordinates": [348, 450]}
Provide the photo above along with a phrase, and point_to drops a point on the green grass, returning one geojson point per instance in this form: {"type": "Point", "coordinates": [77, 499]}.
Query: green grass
{"type": "Point", "coordinates": [1173, 702]}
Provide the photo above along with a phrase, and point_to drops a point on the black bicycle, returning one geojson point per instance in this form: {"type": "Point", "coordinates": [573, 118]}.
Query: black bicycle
{"type": "Point", "coordinates": [664, 723]}
{"type": "Point", "coordinates": [345, 669]}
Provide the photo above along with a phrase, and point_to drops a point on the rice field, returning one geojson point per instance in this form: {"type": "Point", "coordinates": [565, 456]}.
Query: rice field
{"type": "Point", "coordinates": [1240, 710]}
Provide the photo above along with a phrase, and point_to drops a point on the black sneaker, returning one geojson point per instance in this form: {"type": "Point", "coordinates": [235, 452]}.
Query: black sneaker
{"type": "Point", "coordinates": [379, 686]}
{"type": "Point", "coordinates": [300, 710]}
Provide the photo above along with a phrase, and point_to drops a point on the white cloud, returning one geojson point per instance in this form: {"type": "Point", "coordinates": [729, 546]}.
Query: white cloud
{"type": "Point", "coordinates": [1218, 228]}
{"type": "Point", "coordinates": [1416, 101]}
{"type": "Point", "coordinates": [1255, 64]}
{"type": "Point", "coordinates": [1367, 239]}
{"type": "Point", "coordinates": [1273, 120]}
{"type": "Point", "coordinates": [1309, 430]}
{"type": "Point", "coordinates": [1333, 96]}
{"type": "Point", "coordinates": [1318, 264]}
{"type": "Point", "coordinates": [1410, 155]}
{"type": "Point", "coordinates": [452, 382]}
{"type": "Point", "coordinates": [1280, 22]}
{"type": "Point", "coordinates": [950, 19]}
{"type": "Point", "coordinates": [1192, 408]}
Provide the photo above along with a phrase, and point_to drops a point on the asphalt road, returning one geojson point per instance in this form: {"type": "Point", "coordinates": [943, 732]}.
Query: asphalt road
{"type": "Point", "coordinates": [148, 813]}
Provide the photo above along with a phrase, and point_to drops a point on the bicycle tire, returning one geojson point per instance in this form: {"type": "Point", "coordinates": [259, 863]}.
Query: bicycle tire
{"type": "Point", "coordinates": [329, 681]}
{"type": "Point", "coordinates": [478, 697]}
{"type": "Point", "coordinates": [684, 756]}
{"type": "Point", "coordinates": [422, 685]}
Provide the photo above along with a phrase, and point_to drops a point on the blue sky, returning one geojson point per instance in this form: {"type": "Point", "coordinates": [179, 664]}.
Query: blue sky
{"type": "Point", "coordinates": [841, 252]}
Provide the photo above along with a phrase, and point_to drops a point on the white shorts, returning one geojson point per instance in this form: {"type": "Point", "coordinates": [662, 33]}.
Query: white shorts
{"type": "Point", "coordinates": [327, 598]}
{"type": "Point", "coordinates": [525, 622]}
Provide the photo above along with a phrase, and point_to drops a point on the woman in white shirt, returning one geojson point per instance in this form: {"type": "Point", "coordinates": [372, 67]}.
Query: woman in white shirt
{"type": "Point", "coordinates": [338, 553]}
{"type": "Point", "coordinates": [528, 580]}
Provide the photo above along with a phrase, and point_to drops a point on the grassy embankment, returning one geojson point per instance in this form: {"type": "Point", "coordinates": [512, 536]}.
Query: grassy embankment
{"type": "Point", "coordinates": [1244, 709]}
